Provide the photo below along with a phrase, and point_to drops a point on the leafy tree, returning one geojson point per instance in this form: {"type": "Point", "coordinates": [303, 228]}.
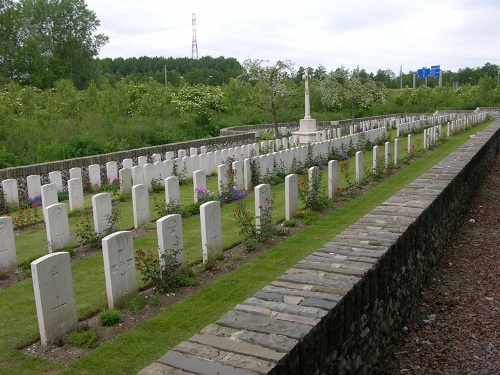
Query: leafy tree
{"type": "Point", "coordinates": [487, 86]}
{"type": "Point", "coordinates": [355, 89]}
{"type": "Point", "coordinates": [200, 101]}
{"type": "Point", "coordinates": [271, 86]}
{"type": "Point", "coordinates": [52, 40]}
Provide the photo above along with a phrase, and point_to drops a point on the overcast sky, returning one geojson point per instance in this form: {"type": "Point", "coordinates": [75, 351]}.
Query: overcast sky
{"type": "Point", "coordinates": [371, 34]}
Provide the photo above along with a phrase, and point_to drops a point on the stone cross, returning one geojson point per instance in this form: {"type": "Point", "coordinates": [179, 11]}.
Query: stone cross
{"type": "Point", "coordinates": [307, 77]}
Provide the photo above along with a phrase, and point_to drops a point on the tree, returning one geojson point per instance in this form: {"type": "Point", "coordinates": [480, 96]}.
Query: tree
{"type": "Point", "coordinates": [201, 101]}
{"type": "Point", "coordinates": [55, 40]}
{"type": "Point", "coordinates": [9, 35]}
{"type": "Point", "coordinates": [270, 86]}
{"type": "Point", "coordinates": [343, 89]}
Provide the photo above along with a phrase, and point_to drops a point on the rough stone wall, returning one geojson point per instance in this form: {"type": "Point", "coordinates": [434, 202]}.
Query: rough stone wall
{"type": "Point", "coordinates": [335, 311]}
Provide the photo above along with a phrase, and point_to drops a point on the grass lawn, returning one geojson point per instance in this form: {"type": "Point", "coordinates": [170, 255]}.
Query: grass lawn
{"type": "Point", "coordinates": [132, 351]}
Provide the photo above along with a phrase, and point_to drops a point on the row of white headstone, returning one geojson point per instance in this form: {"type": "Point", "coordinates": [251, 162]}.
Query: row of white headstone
{"type": "Point", "coordinates": [52, 277]}
{"type": "Point", "coordinates": [56, 214]}
{"type": "Point", "coordinates": [145, 172]}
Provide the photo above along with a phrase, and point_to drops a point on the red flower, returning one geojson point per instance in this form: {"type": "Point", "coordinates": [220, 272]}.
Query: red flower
{"type": "Point", "coordinates": [87, 182]}
{"type": "Point", "coordinates": [28, 211]}
{"type": "Point", "coordinates": [35, 205]}
{"type": "Point", "coordinates": [338, 189]}
{"type": "Point", "coordinates": [260, 206]}
{"type": "Point", "coordinates": [82, 222]}
{"type": "Point", "coordinates": [302, 182]}
{"type": "Point", "coordinates": [8, 214]}
{"type": "Point", "coordinates": [77, 225]}
{"type": "Point", "coordinates": [21, 211]}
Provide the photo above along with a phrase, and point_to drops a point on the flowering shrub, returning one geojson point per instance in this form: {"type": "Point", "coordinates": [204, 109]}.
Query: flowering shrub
{"type": "Point", "coordinates": [25, 217]}
{"type": "Point", "coordinates": [311, 195]}
{"type": "Point", "coordinates": [164, 278]}
{"type": "Point", "coordinates": [203, 195]}
{"type": "Point", "coordinates": [85, 233]}
{"type": "Point", "coordinates": [163, 208]}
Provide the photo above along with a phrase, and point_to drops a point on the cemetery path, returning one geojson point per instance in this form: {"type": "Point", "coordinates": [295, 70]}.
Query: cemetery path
{"type": "Point", "coordinates": [455, 327]}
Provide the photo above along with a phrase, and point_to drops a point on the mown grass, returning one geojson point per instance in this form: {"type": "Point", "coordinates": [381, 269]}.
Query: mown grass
{"type": "Point", "coordinates": [135, 349]}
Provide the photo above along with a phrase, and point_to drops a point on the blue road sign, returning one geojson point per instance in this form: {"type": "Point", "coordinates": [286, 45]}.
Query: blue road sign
{"type": "Point", "coordinates": [435, 71]}
{"type": "Point", "coordinates": [423, 73]}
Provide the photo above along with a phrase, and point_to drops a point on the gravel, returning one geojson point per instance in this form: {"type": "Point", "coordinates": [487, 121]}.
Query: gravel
{"type": "Point", "coordinates": [455, 327]}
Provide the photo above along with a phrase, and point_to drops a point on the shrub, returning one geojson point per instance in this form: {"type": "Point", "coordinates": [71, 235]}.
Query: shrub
{"type": "Point", "coordinates": [109, 317]}
{"type": "Point", "coordinates": [166, 277]}
{"type": "Point", "coordinates": [84, 339]}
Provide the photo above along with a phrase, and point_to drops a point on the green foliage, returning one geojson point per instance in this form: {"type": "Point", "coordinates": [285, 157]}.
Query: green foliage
{"type": "Point", "coordinates": [84, 339]}
{"type": "Point", "coordinates": [47, 40]}
{"type": "Point", "coordinates": [310, 193]}
{"type": "Point", "coordinates": [268, 87]}
{"type": "Point", "coordinates": [345, 89]}
{"type": "Point", "coordinates": [109, 317]}
{"type": "Point", "coordinates": [134, 302]}
{"type": "Point", "coordinates": [289, 223]}
{"type": "Point", "coordinates": [166, 275]}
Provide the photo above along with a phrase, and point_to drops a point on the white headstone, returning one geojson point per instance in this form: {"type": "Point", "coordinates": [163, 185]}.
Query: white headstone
{"type": "Point", "coordinates": [247, 171]}
{"type": "Point", "coordinates": [376, 157]}
{"type": "Point", "coordinates": [55, 177]}
{"type": "Point", "coordinates": [49, 196]}
{"type": "Point", "coordinates": [359, 167]}
{"type": "Point", "coordinates": [211, 230]}
{"type": "Point", "coordinates": [222, 177]}
{"type": "Point", "coordinates": [195, 162]}
{"type": "Point", "coordinates": [333, 177]}
{"type": "Point", "coordinates": [262, 202]}
{"type": "Point", "coordinates": [141, 160]}
{"type": "Point", "coordinates": [34, 186]}
{"type": "Point", "coordinates": [127, 163]}
{"type": "Point", "coordinates": [75, 192]}
{"type": "Point", "coordinates": [75, 172]}
{"type": "Point", "coordinates": [204, 164]}
{"type": "Point", "coordinates": [396, 151]}
{"type": "Point", "coordinates": [57, 226]}
{"type": "Point", "coordinates": [388, 154]}
{"type": "Point", "coordinates": [238, 175]}
{"type": "Point", "coordinates": [291, 196]}
{"type": "Point", "coordinates": [140, 205]}
{"type": "Point", "coordinates": [10, 192]}
{"type": "Point", "coordinates": [160, 172]}
{"type": "Point", "coordinates": [125, 176]}
{"type": "Point", "coordinates": [95, 175]}
{"type": "Point", "coordinates": [54, 296]}
{"type": "Point", "coordinates": [172, 192]}
{"type": "Point", "coordinates": [187, 166]}
{"type": "Point", "coordinates": [170, 240]}
{"type": "Point", "coordinates": [181, 153]}
{"type": "Point", "coordinates": [193, 151]}
{"type": "Point", "coordinates": [168, 167]}
{"type": "Point", "coordinates": [101, 208]}
{"type": "Point", "coordinates": [138, 175]}
{"type": "Point", "coordinates": [119, 266]}
{"type": "Point", "coordinates": [169, 155]}
{"type": "Point", "coordinates": [156, 158]}
{"type": "Point", "coordinates": [111, 171]}
{"type": "Point", "coordinates": [203, 149]}
{"type": "Point", "coordinates": [199, 182]}
{"type": "Point", "coordinates": [8, 259]}
{"type": "Point", "coordinates": [149, 174]}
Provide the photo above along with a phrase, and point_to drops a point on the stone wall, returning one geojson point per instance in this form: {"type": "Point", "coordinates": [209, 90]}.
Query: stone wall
{"type": "Point", "coordinates": [65, 165]}
{"type": "Point", "coordinates": [335, 311]}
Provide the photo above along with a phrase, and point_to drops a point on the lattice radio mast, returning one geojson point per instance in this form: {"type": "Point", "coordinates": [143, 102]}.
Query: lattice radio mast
{"type": "Point", "coordinates": [194, 46]}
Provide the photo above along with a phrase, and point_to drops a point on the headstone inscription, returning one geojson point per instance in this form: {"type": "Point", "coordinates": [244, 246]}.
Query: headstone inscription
{"type": "Point", "coordinates": [119, 267]}
{"type": "Point", "coordinates": [54, 296]}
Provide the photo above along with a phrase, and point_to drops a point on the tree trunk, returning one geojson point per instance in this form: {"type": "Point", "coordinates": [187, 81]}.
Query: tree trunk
{"type": "Point", "coordinates": [353, 111]}
{"type": "Point", "coordinates": [276, 130]}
